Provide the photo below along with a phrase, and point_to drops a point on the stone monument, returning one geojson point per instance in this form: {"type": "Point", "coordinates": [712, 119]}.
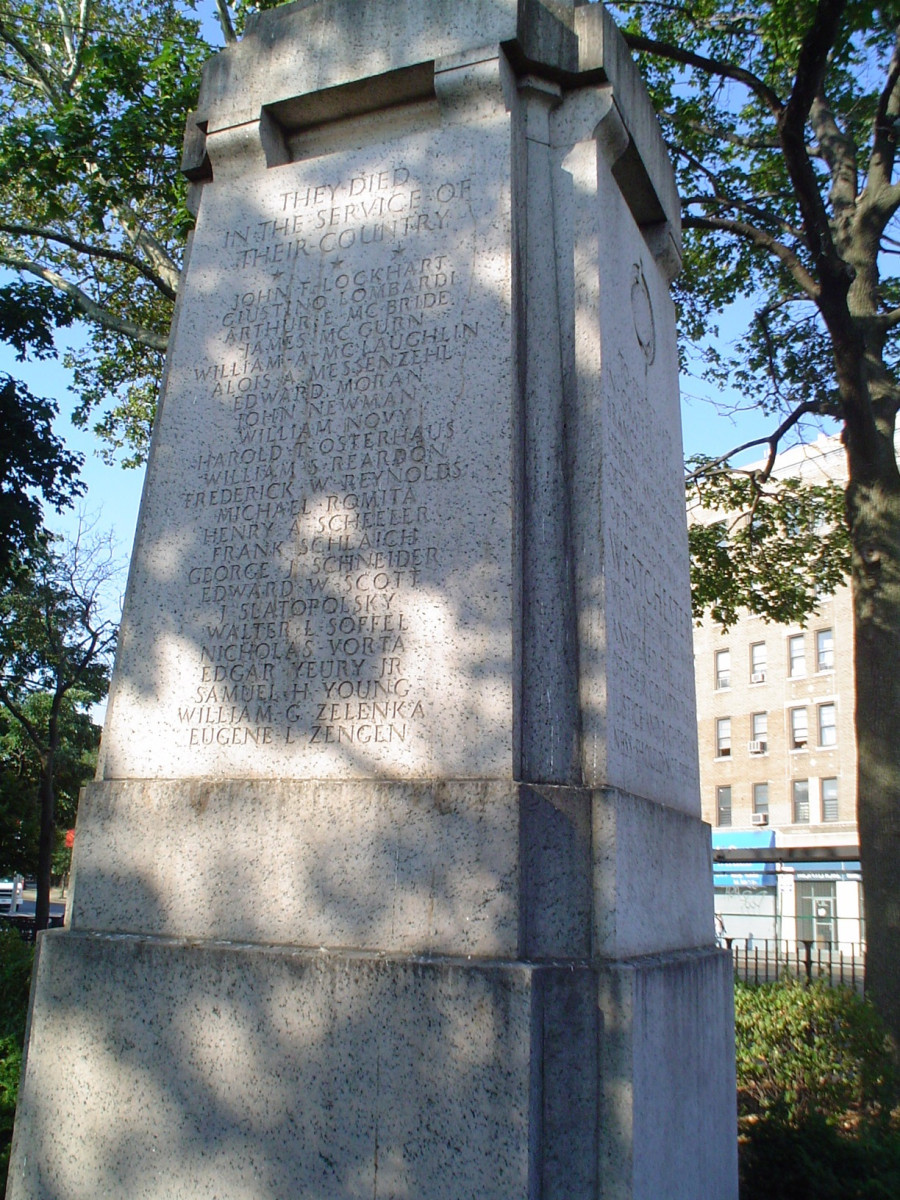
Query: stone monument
{"type": "Point", "coordinates": [393, 882]}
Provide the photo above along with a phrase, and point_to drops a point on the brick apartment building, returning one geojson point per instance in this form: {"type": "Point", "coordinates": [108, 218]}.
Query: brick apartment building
{"type": "Point", "coordinates": [775, 709]}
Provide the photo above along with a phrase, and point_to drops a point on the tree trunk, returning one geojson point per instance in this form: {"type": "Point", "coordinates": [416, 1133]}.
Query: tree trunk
{"type": "Point", "coordinates": [46, 838]}
{"type": "Point", "coordinates": [873, 510]}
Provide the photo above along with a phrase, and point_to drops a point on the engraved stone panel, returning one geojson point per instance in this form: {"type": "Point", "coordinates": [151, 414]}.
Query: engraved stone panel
{"type": "Point", "coordinates": [323, 573]}
{"type": "Point", "coordinates": [636, 688]}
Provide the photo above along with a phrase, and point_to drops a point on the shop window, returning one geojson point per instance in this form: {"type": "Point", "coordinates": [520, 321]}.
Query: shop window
{"type": "Point", "coordinates": [816, 913]}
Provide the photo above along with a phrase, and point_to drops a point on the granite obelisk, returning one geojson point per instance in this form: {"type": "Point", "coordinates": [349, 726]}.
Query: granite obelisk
{"type": "Point", "coordinates": [393, 882]}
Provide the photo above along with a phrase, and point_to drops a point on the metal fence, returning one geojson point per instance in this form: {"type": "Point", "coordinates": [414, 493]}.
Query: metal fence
{"type": "Point", "coordinates": [764, 960]}
{"type": "Point", "coordinates": [24, 924]}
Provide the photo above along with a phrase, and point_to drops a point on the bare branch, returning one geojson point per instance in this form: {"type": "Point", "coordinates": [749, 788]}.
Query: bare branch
{"type": "Point", "coordinates": [807, 408]}
{"type": "Point", "coordinates": [141, 238]}
{"type": "Point", "coordinates": [68, 33]}
{"type": "Point", "coordinates": [92, 250]}
{"type": "Point", "coordinates": [712, 66]}
{"type": "Point", "coordinates": [888, 320]}
{"type": "Point", "coordinates": [19, 714]}
{"type": "Point", "coordinates": [753, 211]}
{"type": "Point", "coordinates": [726, 135]}
{"type": "Point", "coordinates": [811, 65]}
{"type": "Point", "coordinates": [763, 241]}
{"type": "Point", "coordinates": [45, 79]}
{"type": "Point", "coordinates": [89, 307]}
{"type": "Point", "coordinates": [225, 22]}
{"type": "Point", "coordinates": [85, 9]}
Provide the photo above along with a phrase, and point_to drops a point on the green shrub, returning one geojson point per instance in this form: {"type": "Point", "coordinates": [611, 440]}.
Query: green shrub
{"type": "Point", "coordinates": [816, 1161]}
{"type": "Point", "coordinates": [15, 977]}
{"type": "Point", "coordinates": [816, 1089]}
{"type": "Point", "coordinates": [811, 1050]}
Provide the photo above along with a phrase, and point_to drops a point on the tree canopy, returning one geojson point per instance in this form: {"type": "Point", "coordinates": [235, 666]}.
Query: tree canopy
{"type": "Point", "coordinates": [35, 466]}
{"type": "Point", "coordinates": [782, 120]}
{"type": "Point", "coordinates": [94, 96]}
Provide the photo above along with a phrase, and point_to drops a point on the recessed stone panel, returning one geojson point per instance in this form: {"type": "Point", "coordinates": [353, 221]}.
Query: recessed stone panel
{"type": "Point", "coordinates": [323, 576]}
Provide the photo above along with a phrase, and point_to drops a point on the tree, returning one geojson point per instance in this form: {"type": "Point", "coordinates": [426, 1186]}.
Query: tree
{"type": "Point", "coordinates": [34, 466]}
{"type": "Point", "coordinates": [94, 97]}
{"type": "Point", "coordinates": [56, 645]}
{"type": "Point", "coordinates": [75, 762]}
{"type": "Point", "coordinates": [782, 120]}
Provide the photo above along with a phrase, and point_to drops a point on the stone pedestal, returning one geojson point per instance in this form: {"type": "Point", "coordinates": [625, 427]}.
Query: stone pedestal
{"type": "Point", "coordinates": [393, 881]}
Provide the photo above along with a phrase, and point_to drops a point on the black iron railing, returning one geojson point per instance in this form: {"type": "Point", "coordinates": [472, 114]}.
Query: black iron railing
{"type": "Point", "coordinates": [764, 960]}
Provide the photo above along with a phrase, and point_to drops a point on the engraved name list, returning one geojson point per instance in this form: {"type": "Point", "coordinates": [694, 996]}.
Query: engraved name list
{"type": "Point", "coordinates": [334, 438]}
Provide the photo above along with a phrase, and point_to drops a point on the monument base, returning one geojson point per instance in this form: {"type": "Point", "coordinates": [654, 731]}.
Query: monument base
{"type": "Point", "coordinates": [487, 868]}
{"type": "Point", "coordinates": [161, 1067]}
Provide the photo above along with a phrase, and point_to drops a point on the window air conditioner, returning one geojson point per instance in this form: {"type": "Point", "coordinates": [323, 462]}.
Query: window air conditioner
{"type": "Point", "coordinates": [760, 819]}
{"type": "Point", "coordinates": [758, 677]}
{"type": "Point", "coordinates": [756, 747]}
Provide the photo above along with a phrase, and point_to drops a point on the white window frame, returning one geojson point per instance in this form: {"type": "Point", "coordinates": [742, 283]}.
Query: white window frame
{"type": "Point", "coordinates": [830, 729]}
{"type": "Point", "coordinates": [824, 656]}
{"type": "Point", "coordinates": [796, 639]}
{"type": "Point", "coordinates": [723, 737]}
{"type": "Point", "coordinates": [758, 662]}
{"type": "Point", "coordinates": [829, 799]}
{"type": "Point", "coordinates": [797, 727]}
{"type": "Point", "coordinates": [799, 820]}
{"type": "Point", "coordinates": [723, 672]}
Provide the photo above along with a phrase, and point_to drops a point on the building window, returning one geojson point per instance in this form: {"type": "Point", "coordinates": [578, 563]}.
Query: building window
{"type": "Point", "coordinates": [799, 729]}
{"type": "Point", "coordinates": [829, 800]}
{"type": "Point", "coordinates": [758, 662]}
{"type": "Point", "coordinates": [827, 728]}
{"type": "Point", "coordinates": [723, 806]}
{"type": "Point", "coordinates": [800, 793]}
{"type": "Point", "coordinates": [796, 656]}
{"type": "Point", "coordinates": [723, 737]}
{"type": "Point", "coordinates": [759, 733]}
{"type": "Point", "coordinates": [825, 650]}
{"type": "Point", "coordinates": [723, 669]}
{"type": "Point", "coordinates": [761, 799]}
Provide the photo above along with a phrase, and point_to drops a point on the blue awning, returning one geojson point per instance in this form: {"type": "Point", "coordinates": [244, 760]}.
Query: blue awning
{"type": "Point", "coordinates": [743, 875]}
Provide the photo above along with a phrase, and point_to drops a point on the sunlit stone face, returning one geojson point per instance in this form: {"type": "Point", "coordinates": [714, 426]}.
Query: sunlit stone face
{"type": "Point", "coordinates": [323, 579]}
